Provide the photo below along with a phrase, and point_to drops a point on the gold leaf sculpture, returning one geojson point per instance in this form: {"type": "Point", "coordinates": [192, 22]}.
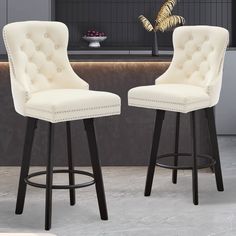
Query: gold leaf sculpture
{"type": "Point", "coordinates": [169, 22]}
{"type": "Point", "coordinates": [165, 11]}
{"type": "Point", "coordinates": [164, 19]}
{"type": "Point", "coordinates": [146, 23]}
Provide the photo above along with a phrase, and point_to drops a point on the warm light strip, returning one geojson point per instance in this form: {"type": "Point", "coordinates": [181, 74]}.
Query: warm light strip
{"type": "Point", "coordinates": [3, 63]}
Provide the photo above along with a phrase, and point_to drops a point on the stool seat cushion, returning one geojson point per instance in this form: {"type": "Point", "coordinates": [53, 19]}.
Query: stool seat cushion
{"type": "Point", "coordinates": [169, 97]}
{"type": "Point", "coordinates": [58, 105]}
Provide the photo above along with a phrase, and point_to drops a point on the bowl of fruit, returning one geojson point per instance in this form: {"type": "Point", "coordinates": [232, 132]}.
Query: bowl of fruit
{"type": "Point", "coordinates": [94, 38]}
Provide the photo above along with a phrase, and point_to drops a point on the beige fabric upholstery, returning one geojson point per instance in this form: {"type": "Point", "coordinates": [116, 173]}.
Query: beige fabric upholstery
{"type": "Point", "coordinates": [193, 80]}
{"type": "Point", "coordinates": [71, 104]}
{"type": "Point", "coordinates": [39, 66]}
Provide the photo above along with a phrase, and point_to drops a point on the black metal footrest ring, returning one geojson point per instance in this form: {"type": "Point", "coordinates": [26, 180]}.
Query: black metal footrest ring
{"type": "Point", "coordinates": [167, 161]}
{"type": "Point", "coordinates": [39, 173]}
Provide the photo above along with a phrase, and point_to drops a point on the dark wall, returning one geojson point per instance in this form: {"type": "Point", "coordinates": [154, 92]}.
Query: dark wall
{"type": "Point", "coordinates": [233, 23]}
{"type": "Point", "coordinates": [122, 140]}
{"type": "Point", "coordinates": [119, 19]}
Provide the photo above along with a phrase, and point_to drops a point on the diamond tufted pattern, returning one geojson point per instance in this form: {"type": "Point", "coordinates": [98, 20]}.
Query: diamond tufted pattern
{"type": "Point", "coordinates": [37, 52]}
{"type": "Point", "coordinates": [197, 62]}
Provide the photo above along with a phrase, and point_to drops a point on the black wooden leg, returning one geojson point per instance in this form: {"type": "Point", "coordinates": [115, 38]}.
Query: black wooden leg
{"type": "Point", "coordinates": [89, 127]}
{"type": "Point", "coordinates": [29, 137]}
{"type": "Point", "coordinates": [155, 144]}
{"type": "Point", "coordinates": [174, 172]}
{"type": "Point", "coordinates": [195, 168]}
{"type": "Point", "coordinates": [215, 148]}
{"type": "Point", "coordinates": [49, 178]}
{"type": "Point", "coordinates": [70, 164]}
{"type": "Point", "coordinates": [206, 116]}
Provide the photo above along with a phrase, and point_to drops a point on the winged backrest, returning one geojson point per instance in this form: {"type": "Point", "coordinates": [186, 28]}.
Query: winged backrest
{"type": "Point", "coordinates": [198, 60]}
{"type": "Point", "coordinates": [37, 52]}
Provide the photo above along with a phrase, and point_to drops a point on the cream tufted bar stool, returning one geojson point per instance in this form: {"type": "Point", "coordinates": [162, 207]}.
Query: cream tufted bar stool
{"type": "Point", "coordinates": [192, 82]}
{"type": "Point", "coordinates": [45, 87]}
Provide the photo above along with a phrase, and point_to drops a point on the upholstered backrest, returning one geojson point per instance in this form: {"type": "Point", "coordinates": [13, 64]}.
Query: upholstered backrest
{"type": "Point", "coordinates": [198, 58]}
{"type": "Point", "coordinates": [37, 52]}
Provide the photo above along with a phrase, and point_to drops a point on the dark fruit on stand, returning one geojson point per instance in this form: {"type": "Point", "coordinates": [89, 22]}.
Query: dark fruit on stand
{"type": "Point", "coordinates": [94, 33]}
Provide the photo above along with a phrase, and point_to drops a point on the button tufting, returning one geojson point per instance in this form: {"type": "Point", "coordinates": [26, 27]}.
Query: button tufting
{"type": "Point", "coordinates": [46, 35]}
{"type": "Point", "coordinates": [56, 46]}
{"type": "Point", "coordinates": [59, 70]}
{"type": "Point", "coordinates": [188, 76]}
{"type": "Point", "coordinates": [28, 36]}
{"type": "Point", "coordinates": [49, 58]}
{"type": "Point", "coordinates": [189, 57]}
{"type": "Point", "coordinates": [37, 48]}
{"type": "Point", "coordinates": [180, 67]}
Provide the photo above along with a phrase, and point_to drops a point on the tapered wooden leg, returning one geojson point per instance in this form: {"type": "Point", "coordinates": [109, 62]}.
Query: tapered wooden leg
{"type": "Point", "coordinates": [174, 172]}
{"type": "Point", "coordinates": [70, 164]}
{"type": "Point", "coordinates": [195, 168]}
{"type": "Point", "coordinates": [49, 178]}
{"type": "Point", "coordinates": [215, 148]}
{"type": "Point", "coordinates": [89, 127]}
{"type": "Point", "coordinates": [29, 137]}
{"type": "Point", "coordinates": [155, 145]}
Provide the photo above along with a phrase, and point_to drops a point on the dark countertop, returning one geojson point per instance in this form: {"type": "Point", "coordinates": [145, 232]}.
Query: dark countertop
{"type": "Point", "coordinates": [115, 57]}
{"type": "Point", "coordinates": [120, 58]}
{"type": "Point", "coordinates": [112, 58]}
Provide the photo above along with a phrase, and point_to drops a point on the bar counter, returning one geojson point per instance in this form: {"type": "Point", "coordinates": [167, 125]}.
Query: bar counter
{"type": "Point", "coordinates": [122, 140]}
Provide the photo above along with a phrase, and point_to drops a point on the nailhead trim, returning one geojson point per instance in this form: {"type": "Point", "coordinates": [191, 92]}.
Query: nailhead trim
{"type": "Point", "coordinates": [184, 110]}
{"type": "Point", "coordinates": [8, 50]}
{"type": "Point", "coordinates": [76, 117]}
{"type": "Point", "coordinates": [151, 100]}
{"type": "Point", "coordinates": [74, 110]}
{"type": "Point", "coordinates": [182, 107]}
{"type": "Point", "coordinates": [71, 111]}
